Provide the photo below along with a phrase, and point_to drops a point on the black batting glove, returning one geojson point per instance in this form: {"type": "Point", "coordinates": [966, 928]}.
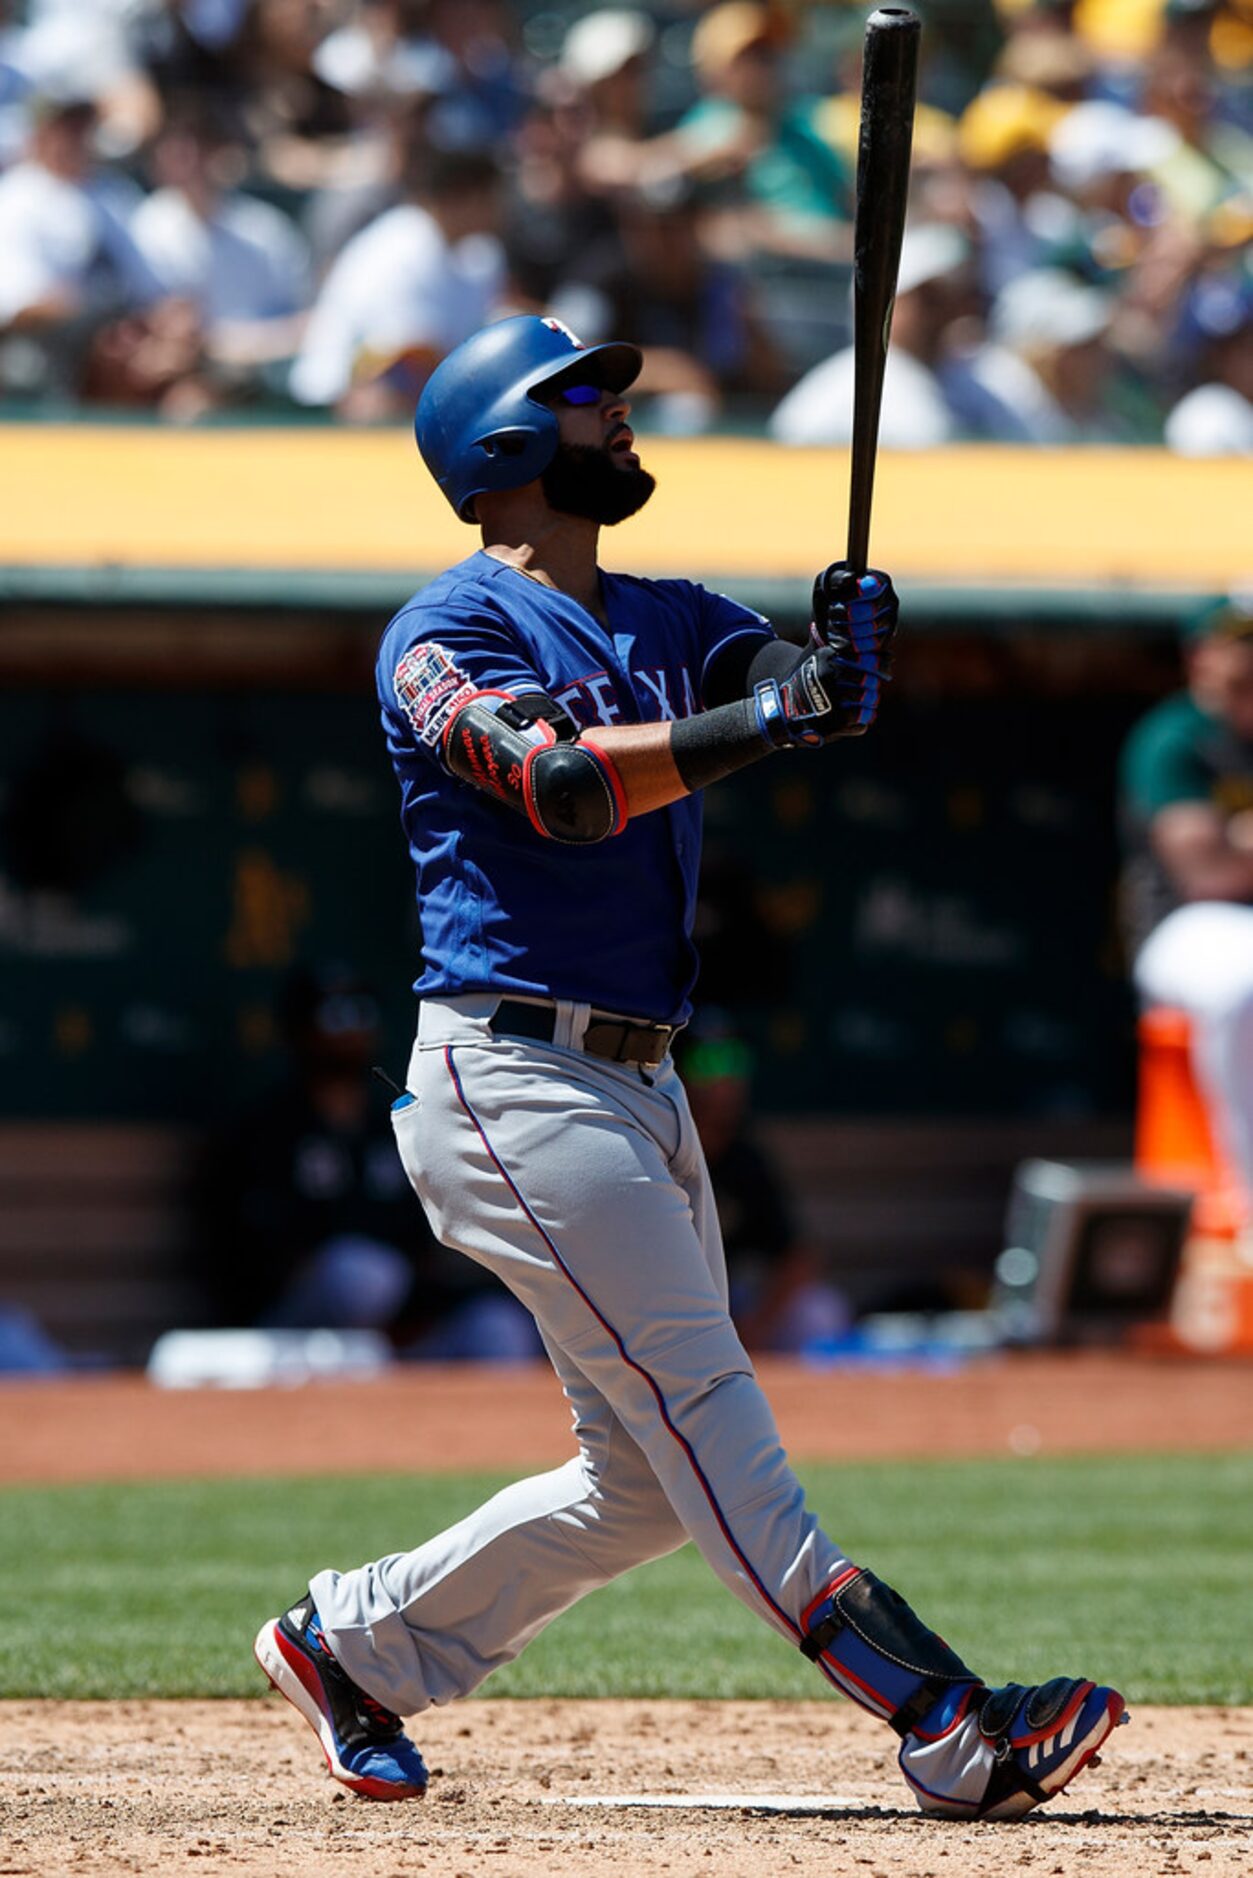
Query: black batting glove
{"type": "Point", "coordinates": [832, 693]}
{"type": "Point", "coordinates": [858, 612]}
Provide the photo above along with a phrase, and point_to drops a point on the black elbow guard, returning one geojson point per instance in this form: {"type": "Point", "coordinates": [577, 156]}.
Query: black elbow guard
{"type": "Point", "coordinates": [574, 793]}
{"type": "Point", "coordinates": [526, 752]}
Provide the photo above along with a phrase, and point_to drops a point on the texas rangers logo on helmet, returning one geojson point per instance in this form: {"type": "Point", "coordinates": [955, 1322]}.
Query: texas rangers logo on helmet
{"type": "Point", "coordinates": [559, 326]}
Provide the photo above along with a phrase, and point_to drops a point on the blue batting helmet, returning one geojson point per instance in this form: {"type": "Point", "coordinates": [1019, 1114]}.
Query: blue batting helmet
{"type": "Point", "coordinates": [480, 424]}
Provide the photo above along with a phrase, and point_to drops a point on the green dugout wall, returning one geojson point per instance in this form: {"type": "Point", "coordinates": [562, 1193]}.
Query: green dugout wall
{"type": "Point", "coordinates": [195, 796]}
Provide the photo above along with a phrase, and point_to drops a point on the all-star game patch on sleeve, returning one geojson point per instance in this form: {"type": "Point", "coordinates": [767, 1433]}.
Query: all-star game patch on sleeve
{"type": "Point", "coordinates": [429, 687]}
{"type": "Point", "coordinates": [433, 659]}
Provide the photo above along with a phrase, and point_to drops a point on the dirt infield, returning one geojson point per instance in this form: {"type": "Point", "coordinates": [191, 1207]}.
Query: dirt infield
{"type": "Point", "coordinates": [529, 1789]}
{"type": "Point", "coordinates": [462, 1418]}
{"type": "Point", "coordinates": [533, 1789]}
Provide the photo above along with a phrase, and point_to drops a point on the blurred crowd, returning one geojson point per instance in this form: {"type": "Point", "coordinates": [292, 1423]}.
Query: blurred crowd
{"type": "Point", "coordinates": [303, 204]}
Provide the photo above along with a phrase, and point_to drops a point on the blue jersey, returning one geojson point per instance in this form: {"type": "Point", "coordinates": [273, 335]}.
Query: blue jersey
{"type": "Point", "coordinates": [503, 907]}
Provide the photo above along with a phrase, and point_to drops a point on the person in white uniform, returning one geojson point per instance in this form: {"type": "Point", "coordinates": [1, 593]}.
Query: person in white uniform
{"type": "Point", "coordinates": [1187, 788]}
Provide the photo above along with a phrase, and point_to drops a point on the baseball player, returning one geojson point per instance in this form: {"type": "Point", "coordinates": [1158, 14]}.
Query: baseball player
{"type": "Point", "coordinates": [1187, 812]}
{"type": "Point", "coordinates": [552, 727]}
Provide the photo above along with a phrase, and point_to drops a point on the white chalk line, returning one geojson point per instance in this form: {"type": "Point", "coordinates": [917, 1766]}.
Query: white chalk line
{"type": "Point", "coordinates": [715, 1802]}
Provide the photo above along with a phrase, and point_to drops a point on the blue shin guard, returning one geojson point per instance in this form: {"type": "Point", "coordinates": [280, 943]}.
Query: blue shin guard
{"type": "Point", "coordinates": [868, 1641]}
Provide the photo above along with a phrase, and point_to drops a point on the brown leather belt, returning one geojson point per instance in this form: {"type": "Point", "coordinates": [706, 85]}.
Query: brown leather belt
{"type": "Point", "coordinates": [612, 1037]}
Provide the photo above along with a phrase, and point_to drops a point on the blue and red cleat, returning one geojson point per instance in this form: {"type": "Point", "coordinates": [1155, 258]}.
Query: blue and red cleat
{"type": "Point", "coordinates": [365, 1745]}
{"type": "Point", "coordinates": [997, 1753]}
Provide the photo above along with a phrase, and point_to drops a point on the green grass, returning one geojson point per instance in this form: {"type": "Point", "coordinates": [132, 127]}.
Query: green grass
{"type": "Point", "coordinates": [1134, 1569]}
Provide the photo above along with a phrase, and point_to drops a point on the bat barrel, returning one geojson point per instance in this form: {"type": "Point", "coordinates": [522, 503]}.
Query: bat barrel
{"type": "Point", "coordinates": [889, 71]}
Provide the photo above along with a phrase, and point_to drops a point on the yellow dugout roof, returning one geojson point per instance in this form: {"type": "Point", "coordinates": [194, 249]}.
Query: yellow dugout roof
{"type": "Point", "coordinates": [309, 500]}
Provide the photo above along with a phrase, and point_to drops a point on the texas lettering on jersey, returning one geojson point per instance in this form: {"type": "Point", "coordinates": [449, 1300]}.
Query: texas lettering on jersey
{"type": "Point", "coordinates": [662, 695]}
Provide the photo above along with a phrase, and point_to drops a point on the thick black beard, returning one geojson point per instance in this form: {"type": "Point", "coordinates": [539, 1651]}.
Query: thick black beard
{"type": "Point", "coordinates": [582, 479]}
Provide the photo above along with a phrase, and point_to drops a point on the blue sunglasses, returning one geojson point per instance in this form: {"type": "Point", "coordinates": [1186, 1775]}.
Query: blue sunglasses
{"type": "Point", "coordinates": [579, 394]}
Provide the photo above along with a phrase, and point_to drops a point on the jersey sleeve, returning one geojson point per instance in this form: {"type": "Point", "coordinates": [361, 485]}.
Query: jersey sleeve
{"type": "Point", "coordinates": [433, 659]}
{"type": "Point", "coordinates": [727, 631]}
{"type": "Point", "coordinates": [1162, 765]}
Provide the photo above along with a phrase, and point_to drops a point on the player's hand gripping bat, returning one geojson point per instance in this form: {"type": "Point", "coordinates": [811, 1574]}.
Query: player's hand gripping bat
{"type": "Point", "coordinates": [889, 74]}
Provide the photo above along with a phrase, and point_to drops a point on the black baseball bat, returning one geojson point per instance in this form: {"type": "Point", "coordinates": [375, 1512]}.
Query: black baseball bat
{"type": "Point", "coordinates": [888, 80]}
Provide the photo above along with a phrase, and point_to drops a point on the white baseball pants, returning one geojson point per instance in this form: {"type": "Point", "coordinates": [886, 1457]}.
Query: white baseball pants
{"type": "Point", "coordinates": [581, 1183]}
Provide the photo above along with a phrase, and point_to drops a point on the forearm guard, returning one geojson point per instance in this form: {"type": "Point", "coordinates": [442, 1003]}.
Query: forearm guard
{"type": "Point", "coordinates": [526, 751]}
{"type": "Point", "coordinates": [802, 696]}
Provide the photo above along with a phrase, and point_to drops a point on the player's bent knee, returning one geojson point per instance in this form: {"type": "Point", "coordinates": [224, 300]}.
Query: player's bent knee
{"type": "Point", "coordinates": [689, 1364]}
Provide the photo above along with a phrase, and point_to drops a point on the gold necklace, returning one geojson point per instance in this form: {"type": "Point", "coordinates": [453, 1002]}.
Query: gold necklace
{"type": "Point", "coordinates": [525, 571]}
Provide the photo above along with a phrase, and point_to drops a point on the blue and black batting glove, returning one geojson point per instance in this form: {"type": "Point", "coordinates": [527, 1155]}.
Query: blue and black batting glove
{"type": "Point", "coordinates": [857, 614]}
{"type": "Point", "coordinates": [829, 694]}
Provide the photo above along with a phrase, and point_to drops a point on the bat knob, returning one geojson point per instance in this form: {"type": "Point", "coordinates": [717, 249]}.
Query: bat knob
{"type": "Point", "coordinates": [836, 585]}
{"type": "Point", "coordinates": [892, 19]}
